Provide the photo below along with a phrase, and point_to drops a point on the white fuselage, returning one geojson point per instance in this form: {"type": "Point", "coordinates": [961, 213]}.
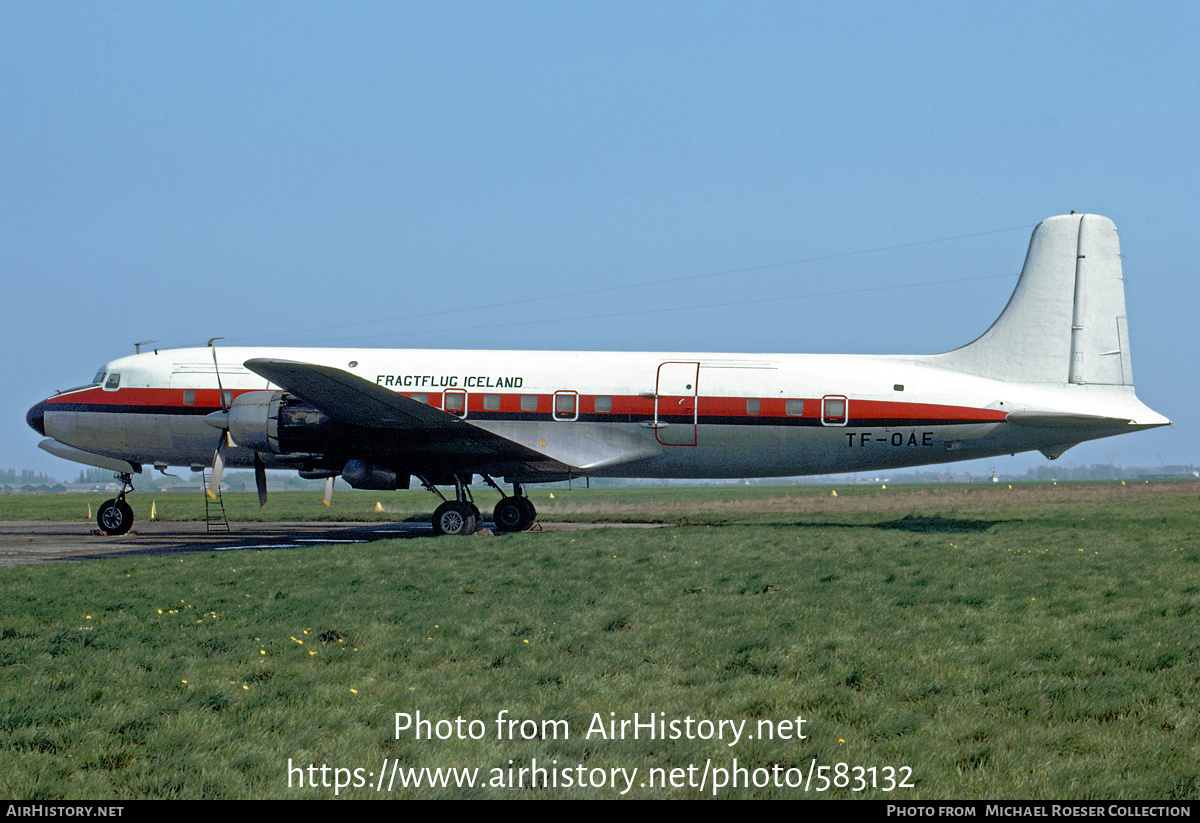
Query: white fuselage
{"type": "Point", "coordinates": [621, 414]}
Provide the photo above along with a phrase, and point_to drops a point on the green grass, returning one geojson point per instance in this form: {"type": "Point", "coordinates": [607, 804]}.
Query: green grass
{"type": "Point", "coordinates": [1039, 645]}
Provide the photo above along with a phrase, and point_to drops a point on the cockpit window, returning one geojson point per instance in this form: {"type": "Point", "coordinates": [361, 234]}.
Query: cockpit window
{"type": "Point", "coordinates": [113, 381]}
{"type": "Point", "coordinates": [99, 378]}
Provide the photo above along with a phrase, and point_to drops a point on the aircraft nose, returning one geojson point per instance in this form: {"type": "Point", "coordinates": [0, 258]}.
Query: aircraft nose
{"type": "Point", "coordinates": [36, 418]}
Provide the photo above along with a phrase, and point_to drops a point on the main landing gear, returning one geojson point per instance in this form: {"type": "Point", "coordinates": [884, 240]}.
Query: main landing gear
{"type": "Point", "coordinates": [115, 516]}
{"type": "Point", "coordinates": [514, 513]}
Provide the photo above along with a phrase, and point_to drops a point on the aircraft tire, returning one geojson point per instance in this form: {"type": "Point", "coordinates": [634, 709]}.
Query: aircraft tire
{"type": "Point", "coordinates": [115, 517]}
{"type": "Point", "coordinates": [509, 515]}
{"type": "Point", "coordinates": [454, 517]}
{"type": "Point", "coordinates": [529, 514]}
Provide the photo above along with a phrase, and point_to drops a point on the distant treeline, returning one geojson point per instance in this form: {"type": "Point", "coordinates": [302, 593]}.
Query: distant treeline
{"type": "Point", "coordinates": [26, 477]}
{"type": "Point", "coordinates": [1096, 471]}
{"type": "Point", "coordinates": [94, 476]}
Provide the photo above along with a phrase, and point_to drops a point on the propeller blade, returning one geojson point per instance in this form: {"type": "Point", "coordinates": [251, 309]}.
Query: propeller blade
{"type": "Point", "coordinates": [217, 369]}
{"type": "Point", "coordinates": [260, 480]}
{"type": "Point", "coordinates": [221, 422]}
{"type": "Point", "coordinates": [218, 469]}
{"type": "Point", "coordinates": [328, 490]}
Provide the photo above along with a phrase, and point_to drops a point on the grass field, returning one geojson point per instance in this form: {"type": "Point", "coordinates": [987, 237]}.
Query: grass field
{"type": "Point", "coordinates": [937, 641]}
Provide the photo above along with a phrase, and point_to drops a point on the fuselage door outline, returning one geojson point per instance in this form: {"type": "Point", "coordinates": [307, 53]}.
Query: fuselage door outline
{"type": "Point", "coordinates": [676, 403]}
{"type": "Point", "coordinates": [566, 405]}
{"type": "Point", "coordinates": [835, 410]}
{"type": "Point", "coordinates": [455, 402]}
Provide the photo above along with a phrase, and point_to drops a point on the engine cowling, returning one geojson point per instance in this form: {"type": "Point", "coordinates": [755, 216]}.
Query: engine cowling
{"type": "Point", "coordinates": [276, 422]}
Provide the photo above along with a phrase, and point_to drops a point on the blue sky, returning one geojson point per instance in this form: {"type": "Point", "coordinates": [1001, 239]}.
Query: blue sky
{"type": "Point", "coordinates": [759, 177]}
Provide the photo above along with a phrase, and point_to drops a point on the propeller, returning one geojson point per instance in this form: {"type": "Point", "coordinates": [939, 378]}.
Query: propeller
{"type": "Point", "coordinates": [218, 466]}
{"type": "Point", "coordinates": [325, 474]}
{"type": "Point", "coordinates": [260, 480]}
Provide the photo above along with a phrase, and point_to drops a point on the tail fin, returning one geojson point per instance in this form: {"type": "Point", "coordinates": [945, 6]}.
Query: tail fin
{"type": "Point", "coordinates": [1065, 322]}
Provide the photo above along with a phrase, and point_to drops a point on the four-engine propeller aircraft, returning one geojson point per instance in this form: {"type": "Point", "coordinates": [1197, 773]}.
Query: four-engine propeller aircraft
{"type": "Point", "coordinates": [1051, 372]}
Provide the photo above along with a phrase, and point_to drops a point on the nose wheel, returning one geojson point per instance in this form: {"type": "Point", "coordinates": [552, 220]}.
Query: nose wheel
{"type": "Point", "coordinates": [115, 516]}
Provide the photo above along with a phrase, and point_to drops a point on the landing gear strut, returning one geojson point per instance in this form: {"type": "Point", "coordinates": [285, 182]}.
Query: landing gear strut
{"type": "Point", "coordinates": [115, 516]}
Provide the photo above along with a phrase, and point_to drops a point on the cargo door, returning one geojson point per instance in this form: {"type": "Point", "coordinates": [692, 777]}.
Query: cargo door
{"type": "Point", "coordinates": [675, 403]}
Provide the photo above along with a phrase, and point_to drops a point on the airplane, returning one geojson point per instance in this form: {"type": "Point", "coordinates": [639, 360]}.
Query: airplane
{"type": "Point", "coordinates": [1052, 371]}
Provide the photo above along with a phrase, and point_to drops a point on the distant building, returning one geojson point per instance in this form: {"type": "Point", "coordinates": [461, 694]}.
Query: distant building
{"type": "Point", "coordinates": [1172, 473]}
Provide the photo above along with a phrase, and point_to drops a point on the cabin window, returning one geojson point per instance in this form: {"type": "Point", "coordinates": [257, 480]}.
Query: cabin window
{"type": "Point", "coordinates": [603, 404]}
{"type": "Point", "coordinates": [421, 397]}
{"type": "Point", "coordinates": [529, 402]}
{"type": "Point", "coordinates": [793, 408]}
{"type": "Point", "coordinates": [491, 402]}
{"type": "Point", "coordinates": [113, 381]}
{"type": "Point", "coordinates": [565, 405]}
{"type": "Point", "coordinates": [752, 406]}
{"type": "Point", "coordinates": [898, 387]}
{"type": "Point", "coordinates": [189, 397]}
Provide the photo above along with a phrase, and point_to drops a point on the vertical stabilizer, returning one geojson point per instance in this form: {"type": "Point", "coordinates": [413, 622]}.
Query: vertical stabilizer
{"type": "Point", "coordinates": [1065, 322]}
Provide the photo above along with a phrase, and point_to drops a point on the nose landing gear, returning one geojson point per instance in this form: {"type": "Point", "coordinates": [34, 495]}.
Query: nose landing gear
{"type": "Point", "coordinates": [115, 516]}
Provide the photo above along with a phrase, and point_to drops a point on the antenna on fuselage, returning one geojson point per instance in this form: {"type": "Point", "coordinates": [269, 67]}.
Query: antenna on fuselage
{"type": "Point", "coordinates": [137, 347]}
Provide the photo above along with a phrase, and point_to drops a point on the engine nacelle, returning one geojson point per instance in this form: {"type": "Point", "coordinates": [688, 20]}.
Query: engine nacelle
{"type": "Point", "coordinates": [276, 422]}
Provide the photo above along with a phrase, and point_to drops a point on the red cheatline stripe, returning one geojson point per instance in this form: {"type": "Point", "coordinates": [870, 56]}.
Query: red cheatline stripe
{"type": "Point", "coordinates": [877, 412]}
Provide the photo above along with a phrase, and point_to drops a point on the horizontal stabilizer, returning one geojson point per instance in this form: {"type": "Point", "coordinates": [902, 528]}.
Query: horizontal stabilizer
{"type": "Point", "coordinates": [1055, 420]}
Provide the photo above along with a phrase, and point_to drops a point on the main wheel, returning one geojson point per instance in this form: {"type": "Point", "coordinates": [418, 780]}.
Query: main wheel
{"type": "Point", "coordinates": [454, 517]}
{"type": "Point", "coordinates": [528, 513]}
{"type": "Point", "coordinates": [509, 515]}
{"type": "Point", "coordinates": [115, 517]}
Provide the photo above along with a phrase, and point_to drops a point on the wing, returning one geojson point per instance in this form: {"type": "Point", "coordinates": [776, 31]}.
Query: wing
{"type": "Point", "coordinates": [389, 426]}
